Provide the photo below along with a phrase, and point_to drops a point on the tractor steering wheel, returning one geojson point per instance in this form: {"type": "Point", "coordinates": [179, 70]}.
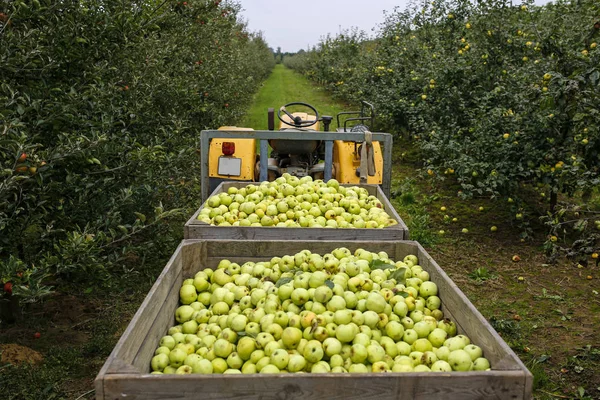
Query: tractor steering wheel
{"type": "Point", "coordinates": [298, 123]}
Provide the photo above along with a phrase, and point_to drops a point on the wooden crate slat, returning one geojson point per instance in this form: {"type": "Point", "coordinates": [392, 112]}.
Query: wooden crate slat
{"type": "Point", "coordinates": [425, 386]}
{"type": "Point", "coordinates": [270, 248]}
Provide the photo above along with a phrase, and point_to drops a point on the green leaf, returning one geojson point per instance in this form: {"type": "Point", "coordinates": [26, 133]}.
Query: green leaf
{"type": "Point", "coordinates": [378, 264]}
{"type": "Point", "coordinates": [329, 284]}
{"type": "Point", "coordinates": [399, 274]}
{"type": "Point", "coordinates": [141, 216]}
{"type": "Point", "coordinates": [580, 225]}
{"type": "Point", "coordinates": [543, 358]}
{"type": "Point", "coordinates": [595, 76]}
{"type": "Point", "coordinates": [283, 281]}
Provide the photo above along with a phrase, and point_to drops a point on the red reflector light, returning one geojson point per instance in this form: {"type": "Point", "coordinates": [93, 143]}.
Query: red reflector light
{"type": "Point", "coordinates": [228, 148]}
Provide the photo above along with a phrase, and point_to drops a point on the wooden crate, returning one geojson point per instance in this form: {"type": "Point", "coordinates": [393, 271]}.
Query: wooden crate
{"type": "Point", "coordinates": [195, 229]}
{"type": "Point", "coordinates": [126, 373]}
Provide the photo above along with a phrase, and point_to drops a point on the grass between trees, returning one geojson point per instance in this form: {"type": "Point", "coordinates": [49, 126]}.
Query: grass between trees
{"type": "Point", "coordinates": [287, 86]}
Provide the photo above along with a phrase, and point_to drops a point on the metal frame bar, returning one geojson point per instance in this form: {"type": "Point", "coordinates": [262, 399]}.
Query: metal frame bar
{"type": "Point", "coordinates": [265, 136]}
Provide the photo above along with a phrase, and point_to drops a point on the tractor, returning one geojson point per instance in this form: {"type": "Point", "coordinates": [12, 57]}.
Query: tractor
{"type": "Point", "coordinates": [353, 161]}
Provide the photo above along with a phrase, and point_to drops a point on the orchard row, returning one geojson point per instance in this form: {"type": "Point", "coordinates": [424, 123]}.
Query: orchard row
{"type": "Point", "coordinates": [101, 105]}
{"type": "Point", "coordinates": [496, 95]}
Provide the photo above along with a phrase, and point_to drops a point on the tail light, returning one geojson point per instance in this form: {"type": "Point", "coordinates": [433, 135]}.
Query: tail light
{"type": "Point", "coordinates": [228, 148]}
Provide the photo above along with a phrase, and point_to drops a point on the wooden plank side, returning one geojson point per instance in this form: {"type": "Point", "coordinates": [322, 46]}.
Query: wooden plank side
{"type": "Point", "coordinates": [418, 386]}
{"type": "Point", "coordinates": [160, 325]}
{"type": "Point", "coordinates": [271, 248]}
{"type": "Point", "coordinates": [389, 208]}
{"type": "Point", "coordinates": [470, 321]}
{"type": "Point", "coordinates": [205, 231]}
{"type": "Point", "coordinates": [192, 254]}
{"type": "Point", "coordinates": [195, 229]}
{"type": "Point", "coordinates": [130, 342]}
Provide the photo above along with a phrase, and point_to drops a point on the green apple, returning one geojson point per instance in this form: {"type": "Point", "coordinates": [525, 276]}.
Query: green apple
{"type": "Point", "coordinates": [184, 313]}
{"type": "Point", "coordinates": [457, 342]}
{"type": "Point", "coordinates": [176, 357]}
{"type": "Point", "coordinates": [427, 289]}
{"type": "Point", "coordinates": [362, 338]}
{"type": "Point", "coordinates": [376, 302]}
{"type": "Point", "coordinates": [332, 346]}
{"type": "Point", "coordinates": [474, 351]}
{"type": "Point", "coordinates": [422, 328]}
{"type": "Point", "coordinates": [245, 347]}
{"type": "Point", "coordinates": [481, 364]}
{"type": "Point", "coordinates": [422, 345]}
{"type": "Point", "coordinates": [410, 336]}
{"type": "Point", "coordinates": [375, 353]}
{"type": "Point", "coordinates": [280, 358]}
{"type": "Point", "coordinates": [448, 325]}
{"type": "Point", "coordinates": [168, 342]}
{"type": "Point", "coordinates": [162, 350]}
{"type": "Point", "coordinates": [358, 368]}
{"type": "Point", "coordinates": [189, 327]}
{"type": "Point", "coordinates": [296, 363]}
{"type": "Point", "coordinates": [323, 294]}
{"type": "Point", "coordinates": [371, 318]}
{"type": "Point", "coordinates": [317, 279]}
{"type": "Point", "coordinates": [313, 351]}
{"type": "Point", "coordinates": [203, 366]}
{"type": "Point", "coordinates": [358, 353]}
{"type": "Point", "coordinates": [219, 365]}
{"type": "Point", "coordinates": [437, 337]}
{"type": "Point", "coordinates": [336, 303]}
{"type": "Point", "coordinates": [187, 294]}
{"type": "Point", "coordinates": [345, 333]}
{"type": "Point", "coordinates": [460, 360]}
{"type": "Point", "coordinates": [160, 362]}
{"type": "Point", "coordinates": [249, 368]}
{"type": "Point", "coordinates": [299, 296]}
{"type": "Point", "coordinates": [394, 330]}
{"type": "Point", "coordinates": [221, 277]}
{"type": "Point", "coordinates": [321, 367]}
{"type": "Point", "coordinates": [184, 370]}
{"type": "Point", "coordinates": [442, 353]}
{"type": "Point", "coordinates": [403, 348]}
{"type": "Point", "coordinates": [264, 338]}
{"type": "Point", "coordinates": [222, 348]}
{"type": "Point", "coordinates": [441, 366]}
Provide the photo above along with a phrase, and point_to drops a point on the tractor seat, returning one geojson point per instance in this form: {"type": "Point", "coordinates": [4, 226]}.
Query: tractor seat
{"type": "Point", "coordinates": [295, 146]}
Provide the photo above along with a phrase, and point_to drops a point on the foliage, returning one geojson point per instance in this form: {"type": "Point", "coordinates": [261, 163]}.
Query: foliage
{"type": "Point", "coordinates": [481, 274]}
{"type": "Point", "coordinates": [101, 103]}
{"type": "Point", "coordinates": [498, 96]}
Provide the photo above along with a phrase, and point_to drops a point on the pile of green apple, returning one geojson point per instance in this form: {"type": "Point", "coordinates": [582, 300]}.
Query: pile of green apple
{"type": "Point", "coordinates": [340, 312]}
{"type": "Point", "coordinates": [290, 201]}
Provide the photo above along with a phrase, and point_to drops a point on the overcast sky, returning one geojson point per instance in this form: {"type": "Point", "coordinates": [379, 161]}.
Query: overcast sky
{"type": "Point", "coordinates": [292, 27]}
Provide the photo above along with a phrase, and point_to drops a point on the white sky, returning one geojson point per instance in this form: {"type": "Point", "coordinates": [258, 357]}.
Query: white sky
{"type": "Point", "coordinates": [292, 28]}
